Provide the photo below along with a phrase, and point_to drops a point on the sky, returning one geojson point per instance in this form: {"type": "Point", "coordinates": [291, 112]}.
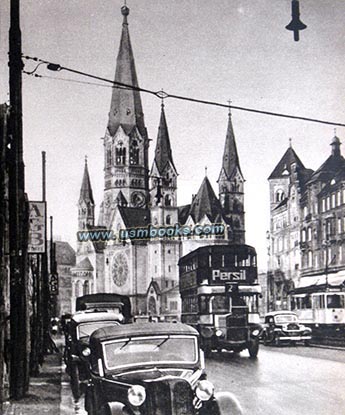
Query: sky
{"type": "Point", "coordinates": [211, 50]}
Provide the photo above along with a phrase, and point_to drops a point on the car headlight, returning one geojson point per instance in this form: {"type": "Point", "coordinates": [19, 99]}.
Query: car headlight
{"type": "Point", "coordinates": [255, 332]}
{"type": "Point", "coordinates": [86, 352]}
{"type": "Point", "coordinates": [204, 390]}
{"type": "Point", "coordinates": [219, 333]}
{"type": "Point", "coordinates": [136, 395]}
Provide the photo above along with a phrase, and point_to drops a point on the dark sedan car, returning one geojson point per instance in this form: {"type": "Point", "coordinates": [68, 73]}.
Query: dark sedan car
{"type": "Point", "coordinates": [284, 327]}
{"type": "Point", "coordinates": [151, 369]}
{"type": "Point", "coordinates": [77, 335]}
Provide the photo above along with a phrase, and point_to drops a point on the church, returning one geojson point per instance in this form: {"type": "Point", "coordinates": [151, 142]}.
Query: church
{"type": "Point", "coordinates": [138, 195]}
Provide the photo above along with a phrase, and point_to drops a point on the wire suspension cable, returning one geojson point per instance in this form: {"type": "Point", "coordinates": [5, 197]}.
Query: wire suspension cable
{"type": "Point", "coordinates": [163, 95]}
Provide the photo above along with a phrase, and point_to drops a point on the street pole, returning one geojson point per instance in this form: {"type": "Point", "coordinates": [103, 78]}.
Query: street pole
{"type": "Point", "coordinates": [18, 226]}
{"type": "Point", "coordinates": [44, 268]}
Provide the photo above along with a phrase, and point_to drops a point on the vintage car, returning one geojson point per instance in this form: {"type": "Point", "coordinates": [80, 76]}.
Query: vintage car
{"type": "Point", "coordinates": [77, 334]}
{"type": "Point", "coordinates": [151, 369]}
{"type": "Point", "coordinates": [284, 327]}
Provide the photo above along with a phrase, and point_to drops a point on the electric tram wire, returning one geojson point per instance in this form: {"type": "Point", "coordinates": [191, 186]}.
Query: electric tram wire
{"type": "Point", "coordinates": [162, 94]}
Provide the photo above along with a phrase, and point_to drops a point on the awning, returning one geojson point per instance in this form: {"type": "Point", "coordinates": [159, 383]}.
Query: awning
{"type": "Point", "coordinates": [334, 279]}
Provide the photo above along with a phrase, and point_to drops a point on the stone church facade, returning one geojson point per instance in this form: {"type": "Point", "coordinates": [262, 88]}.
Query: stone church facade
{"type": "Point", "coordinates": [137, 195]}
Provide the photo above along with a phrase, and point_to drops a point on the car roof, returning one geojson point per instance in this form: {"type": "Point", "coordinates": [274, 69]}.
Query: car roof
{"type": "Point", "coordinates": [85, 316]}
{"type": "Point", "coordinates": [142, 329]}
{"type": "Point", "coordinates": [276, 313]}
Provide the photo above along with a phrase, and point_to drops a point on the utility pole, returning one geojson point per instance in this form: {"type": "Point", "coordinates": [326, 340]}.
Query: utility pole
{"type": "Point", "coordinates": [18, 220]}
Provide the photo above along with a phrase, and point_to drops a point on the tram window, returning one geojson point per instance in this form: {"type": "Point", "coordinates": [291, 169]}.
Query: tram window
{"type": "Point", "coordinates": [335, 301]}
{"type": "Point", "coordinates": [217, 260]}
{"type": "Point", "coordinates": [306, 302]}
{"type": "Point", "coordinates": [293, 303]}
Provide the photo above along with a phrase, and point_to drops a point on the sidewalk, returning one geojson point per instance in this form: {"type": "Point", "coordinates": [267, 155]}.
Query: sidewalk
{"type": "Point", "coordinates": [44, 391]}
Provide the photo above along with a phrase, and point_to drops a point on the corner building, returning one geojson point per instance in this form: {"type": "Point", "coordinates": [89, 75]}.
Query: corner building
{"type": "Point", "coordinates": [307, 225]}
{"type": "Point", "coordinates": [137, 196]}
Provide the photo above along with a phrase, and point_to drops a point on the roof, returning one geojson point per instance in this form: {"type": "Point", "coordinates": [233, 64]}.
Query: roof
{"type": "Point", "coordinates": [85, 316]}
{"type": "Point", "coordinates": [85, 264]}
{"type": "Point", "coordinates": [86, 190]}
{"type": "Point", "coordinates": [65, 254]}
{"type": "Point", "coordinates": [183, 213]}
{"type": "Point", "coordinates": [142, 329]}
{"type": "Point", "coordinates": [205, 203]}
{"type": "Point", "coordinates": [126, 108]}
{"type": "Point", "coordinates": [331, 167]}
{"type": "Point", "coordinates": [283, 168]}
{"type": "Point", "coordinates": [135, 217]}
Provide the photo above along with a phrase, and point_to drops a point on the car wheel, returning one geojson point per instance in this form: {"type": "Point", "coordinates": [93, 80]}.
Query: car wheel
{"type": "Point", "coordinates": [253, 348]}
{"type": "Point", "coordinates": [74, 380]}
{"type": "Point", "coordinates": [265, 339]}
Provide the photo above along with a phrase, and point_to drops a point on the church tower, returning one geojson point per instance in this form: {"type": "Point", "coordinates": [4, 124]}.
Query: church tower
{"type": "Point", "coordinates": [126, 142]}
{"type": "Point", "coordinates": [231, 187]}
{"type": "Point", "coordinates": [86, 204]}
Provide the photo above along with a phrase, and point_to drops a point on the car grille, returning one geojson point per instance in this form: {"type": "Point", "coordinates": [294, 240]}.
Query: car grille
{"type": "Point", "coordinates": [173, 397]}
{"type": "Point", "coordinates": [292, 326]}
{"type": "Point", "coordinates": [236, 334]}
{"type": "Point", "coordinates": [237, 318]}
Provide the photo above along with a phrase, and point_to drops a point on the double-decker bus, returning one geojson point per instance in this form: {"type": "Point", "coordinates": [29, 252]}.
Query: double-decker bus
{"type": "Point", "coordinates": [220, 297]}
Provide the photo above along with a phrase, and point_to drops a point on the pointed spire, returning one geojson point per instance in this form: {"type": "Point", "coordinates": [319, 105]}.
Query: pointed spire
{"type": "Point", "coordinates": [230, 156]}
{"type": "Point", "coordinates": [86, 190]}
{"type": "Point", "coordinates": [126, 108]}
{"type": "Point", "coordinates": [163, 153]}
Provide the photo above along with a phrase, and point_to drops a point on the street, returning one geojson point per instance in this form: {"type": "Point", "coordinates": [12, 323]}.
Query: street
{"type": "Point", "coordinates": [285, 380]}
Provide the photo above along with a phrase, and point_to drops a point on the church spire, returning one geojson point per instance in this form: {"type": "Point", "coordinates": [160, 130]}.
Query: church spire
{"type": "Point", "coordinates": [86, 190]}
{"type": "Point", "coordinates": [163, 154]}
{"type": "Point", "coordinates": [126, 108]}
{"type": "Point", "coordinates": [231, 162]}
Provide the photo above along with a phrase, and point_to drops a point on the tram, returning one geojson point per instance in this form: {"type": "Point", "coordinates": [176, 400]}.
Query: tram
{"type": "Point", "coordinates": [220, 296]}
{"type": "Point", "coordinates": [322, 308]}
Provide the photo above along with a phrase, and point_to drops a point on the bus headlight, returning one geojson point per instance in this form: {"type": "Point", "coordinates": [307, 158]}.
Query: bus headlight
{"type": "Point", "coordinates": [136, 395]}
{"type": "Point", "coordinates": [255, 332]}
{"type": "Point", "coordinates": [204, 390]}
{"type": "Point", "coordinates": [219, 333]}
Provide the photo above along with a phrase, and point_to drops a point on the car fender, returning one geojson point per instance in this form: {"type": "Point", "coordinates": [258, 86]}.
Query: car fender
{"type": "Point", "coordinates": [228, 403]}
{"type": "Point", "coordinates": [115, 408]}
{"type": "Point", "coordinates": [223, 403]}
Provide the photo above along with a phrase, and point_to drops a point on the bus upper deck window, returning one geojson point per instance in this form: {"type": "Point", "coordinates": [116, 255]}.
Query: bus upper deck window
{"type": "Point", "coordinates": [335, 301]}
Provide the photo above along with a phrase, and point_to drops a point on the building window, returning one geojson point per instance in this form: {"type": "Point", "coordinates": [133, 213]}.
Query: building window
{"type": "Point", "coordinates": [280, 195]}
{"type": "Point", "coordinates": [304, 235]}
{"type": "Point", "coordinates": [310, 259]}
{"type": "Point", "coordinates": [305, 211]}
{"type": "Point", "coordinates": [340, 254]}
{"type": "Point", "coordinates": [169, 268]}
{"type": "Point", "coordinates": [328, 203]}
{"type": "Point", "coordinates": [333, 200]}
{"type": "Point", "coordinates": [340, 230]}
{"type": "Point", "coordinates": [156, 269]}
{"type": "Point", "coordinates": [338, 198]}
{"type": "Point", "coordinates": [134, 153]}
{"type": "Point", "coordinates": [173, 305]}
{"type": "Point", "coordinates": [168, 220]}
{"type": "Point", "coordinates": [309, 234]}
{"type": "Point", "coordinates": [316, 262]}
{"type": "Point", "coordinates": [120, 155]}
{"type": "Point", "coordinates": [167, 200]}
{"type": "Point", "coordinates": [343, 195]}
{"type": "Point", "coordinates": [323, 205]}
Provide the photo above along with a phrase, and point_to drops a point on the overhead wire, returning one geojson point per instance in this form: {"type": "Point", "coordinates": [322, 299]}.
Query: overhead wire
{"type": "Point", "coordinates": [163, 95]}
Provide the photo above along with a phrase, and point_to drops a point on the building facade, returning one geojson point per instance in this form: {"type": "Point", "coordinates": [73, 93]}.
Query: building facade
{"type": "Point", "coordinates": [140, 196]}
{"type": "Point", "coordinates": [307, 225]}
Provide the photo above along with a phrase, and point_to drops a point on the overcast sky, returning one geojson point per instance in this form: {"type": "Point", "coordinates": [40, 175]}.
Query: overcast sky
{"type": "Point", "coordinates": [208, 49]}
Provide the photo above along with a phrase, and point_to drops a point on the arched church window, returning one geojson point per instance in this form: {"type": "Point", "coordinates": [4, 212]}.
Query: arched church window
{"type": "Point", "coordinates": [120, 155]}
{"type": "Point", "coordinates": [168, 220]}
{"type": "Point", "coordinates": [167, 200]}
{"type": "Point", "coordinates": [86, 288]}
{"type": "Point", "coordinates": [152, 306]}
{"type": "Point", "coordinates": [109, 161]}
{"type": "Point", "coordinates": [134, 153]}
{"type": "Point", "coordinates": [280, 195]}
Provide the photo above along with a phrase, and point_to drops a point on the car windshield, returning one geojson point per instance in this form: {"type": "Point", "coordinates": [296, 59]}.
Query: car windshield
{"type": "Point", "coordinates": [84, 330]}
{"type": "Point", "coordinates": [286, 318]}
{"type": "Point", "coordinates": [153, 350]}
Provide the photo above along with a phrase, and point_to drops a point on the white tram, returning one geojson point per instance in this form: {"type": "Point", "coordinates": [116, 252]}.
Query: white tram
{"type": "Point", "coordinates": [321, 307]}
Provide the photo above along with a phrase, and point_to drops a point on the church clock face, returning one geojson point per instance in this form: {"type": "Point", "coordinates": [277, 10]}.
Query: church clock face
{"type": "Point", "coordinates": [138, 199]}
{"type": "Point", "coordinates": [120, 270]}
